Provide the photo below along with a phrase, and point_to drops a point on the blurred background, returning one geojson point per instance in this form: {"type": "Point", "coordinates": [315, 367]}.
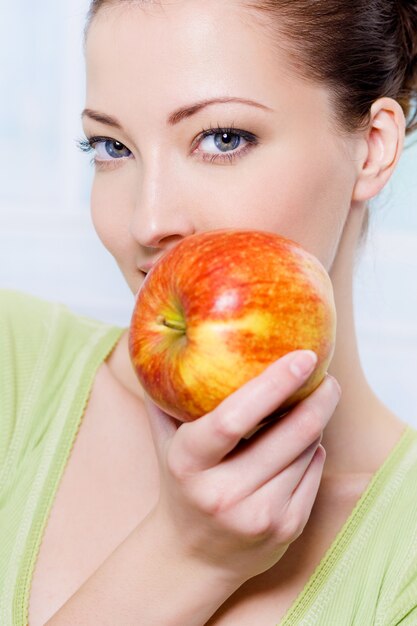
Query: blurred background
{"type": "Point", "coordinates": [48, 246]}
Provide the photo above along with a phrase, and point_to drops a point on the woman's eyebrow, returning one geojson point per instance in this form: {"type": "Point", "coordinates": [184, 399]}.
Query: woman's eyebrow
{"type": "Point", "coordinates": [178, 115]}
{"type": "Point", "coordinates": [190, 110]}
{"type": "Point", "coordinates": [102, 118]}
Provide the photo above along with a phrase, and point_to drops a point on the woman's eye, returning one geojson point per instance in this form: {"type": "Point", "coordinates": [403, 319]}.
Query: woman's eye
{"type": "Point", "coordinates": [225, 142]}
{"type": "Point", "coordinates": [109, 149]}
{"type": "Point", "coordinates": [108, 153]}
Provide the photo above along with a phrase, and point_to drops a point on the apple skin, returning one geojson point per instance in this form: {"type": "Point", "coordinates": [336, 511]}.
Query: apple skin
{"type": "Point", "coordinates": [221, 306]}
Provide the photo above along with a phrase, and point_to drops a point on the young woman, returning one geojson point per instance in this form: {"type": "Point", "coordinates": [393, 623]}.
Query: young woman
{"type": "Point", "coordinates": [280, 115]}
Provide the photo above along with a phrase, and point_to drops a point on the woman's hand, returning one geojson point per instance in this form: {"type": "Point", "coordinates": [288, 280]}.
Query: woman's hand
{"type": "Point", "coordinates": [238, 504]}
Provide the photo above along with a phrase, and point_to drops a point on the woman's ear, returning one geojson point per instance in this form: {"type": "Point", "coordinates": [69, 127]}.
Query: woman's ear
{"type": "Point", "coordinates": [384, 141]}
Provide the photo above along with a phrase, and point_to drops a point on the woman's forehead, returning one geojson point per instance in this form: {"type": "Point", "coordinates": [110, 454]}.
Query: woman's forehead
{"type": "Point", "coordinates": [186, 36]}
{"type": "Point", "coordinates": [190, 53]}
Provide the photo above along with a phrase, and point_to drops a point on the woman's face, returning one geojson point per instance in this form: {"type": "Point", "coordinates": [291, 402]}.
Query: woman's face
{"type": "Point", "coordinates": [281, 167]}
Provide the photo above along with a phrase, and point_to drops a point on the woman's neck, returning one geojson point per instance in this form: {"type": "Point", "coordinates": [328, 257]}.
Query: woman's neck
{"type": "Point", "coordinates": [362, 430]}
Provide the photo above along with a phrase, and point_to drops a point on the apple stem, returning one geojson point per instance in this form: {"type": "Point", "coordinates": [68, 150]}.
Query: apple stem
{"type": "Point", "coordinates": [174, 324]}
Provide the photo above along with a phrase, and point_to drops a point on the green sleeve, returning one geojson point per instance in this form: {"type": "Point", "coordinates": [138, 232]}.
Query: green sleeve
{"type": "Point", "coordinates": [24, 323]}
{"type": "Point", "coordinates": [409, 619]}
{"type": "Point", "coordinates": [403, 609]}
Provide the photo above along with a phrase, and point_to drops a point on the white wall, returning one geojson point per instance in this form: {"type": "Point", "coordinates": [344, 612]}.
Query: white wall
{"type": "Point", "coordinates": [48, 246]}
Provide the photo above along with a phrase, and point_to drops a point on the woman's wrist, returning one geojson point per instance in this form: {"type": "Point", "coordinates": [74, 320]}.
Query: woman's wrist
{"type": "Point", "coordinates": [189, 563]}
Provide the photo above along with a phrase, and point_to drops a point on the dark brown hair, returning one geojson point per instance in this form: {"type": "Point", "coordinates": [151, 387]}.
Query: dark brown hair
{"type": "Point", "coordinates": [361, 49]}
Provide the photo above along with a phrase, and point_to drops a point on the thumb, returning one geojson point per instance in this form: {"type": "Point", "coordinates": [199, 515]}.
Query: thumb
{"type": "Point", "coordinates": [163, 426]}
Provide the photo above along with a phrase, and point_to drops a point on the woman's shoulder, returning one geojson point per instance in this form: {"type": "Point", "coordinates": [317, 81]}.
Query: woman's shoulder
{"type": "Point", "coordinates": [396, 484]}
{"type": "Point", "coordinates": [398, 532]}
{"type": "Point", "coordinates": [27, 320]}
{"type": "Point", "coordinates": [41, 339]}
{"type": "Point", "coordinates": [48, 354]}
{"type": "Point", "coordinates": [39, 334]}
{"type": "Point", "coordinates": [16, 306]}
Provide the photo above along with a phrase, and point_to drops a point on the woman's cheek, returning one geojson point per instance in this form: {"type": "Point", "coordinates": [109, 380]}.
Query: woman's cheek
{"type": "Point", "coordinates": [99, 215]}
{"type": "Point", "coordinates": [109, 211]}
{"type": "Point", "coordinates": [311, 205]}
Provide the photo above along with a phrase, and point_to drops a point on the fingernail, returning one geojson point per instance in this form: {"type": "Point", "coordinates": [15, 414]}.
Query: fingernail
{"type": "Point", "coordinates": [303, 363]}
{"type": "Point", "coordinates": [332, 380]}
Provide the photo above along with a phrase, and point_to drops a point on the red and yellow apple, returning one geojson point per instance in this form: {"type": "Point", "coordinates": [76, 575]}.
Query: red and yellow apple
{"type": "Point", "coordinates": [221, 306]}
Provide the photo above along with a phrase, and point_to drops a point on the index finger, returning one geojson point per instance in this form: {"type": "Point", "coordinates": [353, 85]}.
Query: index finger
{"type": "Point", "coordinates": [203, 443]}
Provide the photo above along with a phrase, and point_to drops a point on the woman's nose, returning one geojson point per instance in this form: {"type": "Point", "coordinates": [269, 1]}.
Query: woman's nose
{"type": "Point", "coordinates": [162, 211]}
